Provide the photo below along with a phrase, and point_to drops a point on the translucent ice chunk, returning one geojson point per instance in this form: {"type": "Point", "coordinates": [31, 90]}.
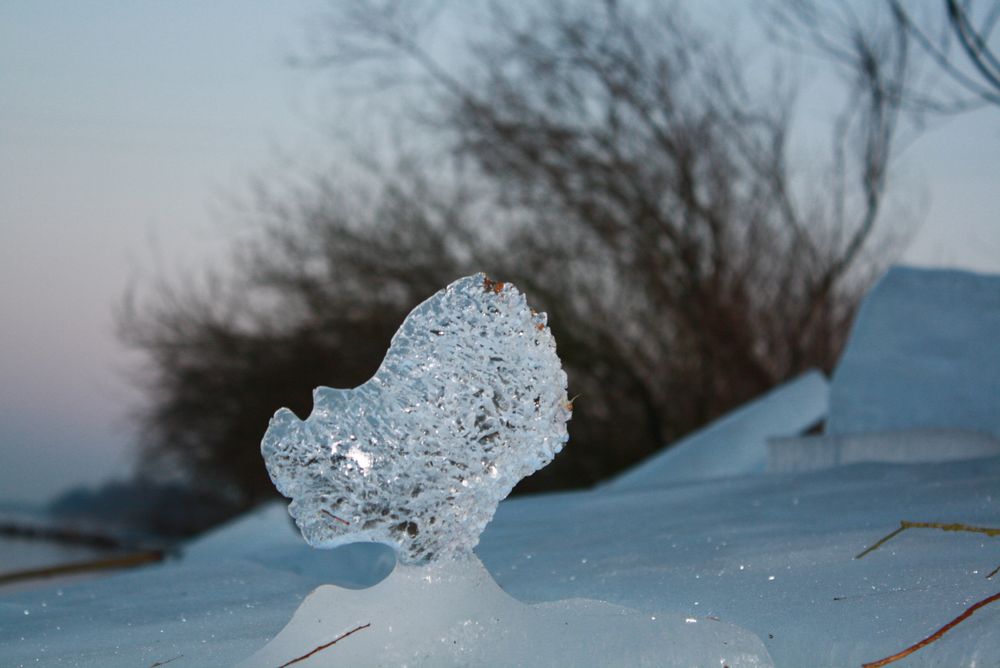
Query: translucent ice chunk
{"type": "Point", "coordinates": [470, 398]}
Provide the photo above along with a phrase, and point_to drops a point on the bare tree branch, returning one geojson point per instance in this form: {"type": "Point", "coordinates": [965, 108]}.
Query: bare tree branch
{"type": "Point", "coordinates": [610, 158]}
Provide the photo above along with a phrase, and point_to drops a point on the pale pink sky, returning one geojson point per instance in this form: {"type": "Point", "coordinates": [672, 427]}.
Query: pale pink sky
{"type": "Point", "coordinates": [124, 125]}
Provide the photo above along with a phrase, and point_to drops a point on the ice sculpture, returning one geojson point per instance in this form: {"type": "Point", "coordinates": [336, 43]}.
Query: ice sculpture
{"type": "Point", "coordinates": [470, 398]}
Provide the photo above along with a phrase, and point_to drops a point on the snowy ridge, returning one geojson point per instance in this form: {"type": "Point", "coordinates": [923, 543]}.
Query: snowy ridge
{"type": "Point", "coordinates": [904, 446]}
{"type": "Point", "coordinates": [924, 352]}
{"type": "Point", "coordinates": [736, 443]}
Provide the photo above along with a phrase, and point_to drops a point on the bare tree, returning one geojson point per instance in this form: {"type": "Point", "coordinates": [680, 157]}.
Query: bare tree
{"type": "Point", "coordinates": [610, 159]}
{"type": "Point", "coordinates": [954, 48]}
{"type": "Point", "coordinates": [313, 300]}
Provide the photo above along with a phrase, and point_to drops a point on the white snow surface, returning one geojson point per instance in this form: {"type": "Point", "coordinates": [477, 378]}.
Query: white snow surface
{"type": "Point", "coordinates": [452, 613]}
{"type": "Point", "coordinates": [736, 443]}
{"type": "Point", "coordinates": [773, 554]}
{"type": "Point", "coordinates": [924, 353]}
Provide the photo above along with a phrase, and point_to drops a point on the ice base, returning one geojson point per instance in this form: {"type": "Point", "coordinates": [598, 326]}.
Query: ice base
{"type": "Point", "coordinates": [452, 613]}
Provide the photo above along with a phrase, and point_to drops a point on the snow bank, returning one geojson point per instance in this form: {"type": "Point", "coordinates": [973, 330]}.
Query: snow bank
{"type": "Point", "coordinates": [924, 353]}
{"type": "Point", "coordinates": [809, 453]}
{"type": "Point", "coordinates": [736, 443]}
{"type": "Point", "coordinates": [771, 554]}
{"type": "Point", "coordinates": [775, 555]}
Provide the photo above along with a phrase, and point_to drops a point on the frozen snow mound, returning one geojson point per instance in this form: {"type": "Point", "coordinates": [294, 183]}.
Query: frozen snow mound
{"type": "Point", "coordinates": [471, 397]}
{"type": "Point", "coordinates": [454, 614]}
{"type": "Point", "coordinates": [909, 446]}
{"type": "Point", "coordinates": [736, 443]}
{"type": "Point", "coordinates": [924, 353]}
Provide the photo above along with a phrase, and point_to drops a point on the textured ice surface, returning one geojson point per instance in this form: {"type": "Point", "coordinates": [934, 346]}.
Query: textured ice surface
{"type": "Point", "coordinates": [470, 398]}
{"type": "Point", "coordinates": [454, 614]}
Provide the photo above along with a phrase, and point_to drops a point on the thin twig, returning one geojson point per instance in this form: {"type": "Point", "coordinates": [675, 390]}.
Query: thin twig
{"type": "Point", "coordinates": [120, 561]}
{"type": "Point", "coordinates": [339, 519]}
{"type": "Point", "coordinates": [930, 525]}
{"type": "Point", "coordinates": [880, 542]}
{"type": "Point", "coordinates": [322, 647]}
{"type": "Point", "coordinates": [934, 636]}
{"type": "Point", "coordinates": [163, 663]}
{"type": "Point", "coordinates": [993, 572]}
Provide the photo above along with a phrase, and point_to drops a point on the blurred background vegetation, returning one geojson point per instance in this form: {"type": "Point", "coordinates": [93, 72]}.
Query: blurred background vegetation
{"type": "Point", "coordinates": [631, 171]}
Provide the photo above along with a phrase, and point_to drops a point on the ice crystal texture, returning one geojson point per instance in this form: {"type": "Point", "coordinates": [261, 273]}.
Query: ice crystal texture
{"type": "Point", "coordinates": [470, 398]}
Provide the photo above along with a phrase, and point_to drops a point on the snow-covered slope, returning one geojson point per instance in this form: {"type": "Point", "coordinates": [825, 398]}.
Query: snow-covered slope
{"type": "Point", "coordinates": [736, 443]}
{"type": "Point", "coordinates": [905, 446]}
{"type": "Point", "coordinates": [924, 353]}
{"type": "Point", "coordinates": [773, 554]}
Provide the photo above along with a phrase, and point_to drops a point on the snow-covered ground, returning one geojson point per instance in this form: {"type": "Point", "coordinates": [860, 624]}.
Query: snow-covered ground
{"type": "Point", "coordinates": [772, 553]}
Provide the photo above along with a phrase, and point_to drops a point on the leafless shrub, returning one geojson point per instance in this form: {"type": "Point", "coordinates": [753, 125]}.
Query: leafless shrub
{"type": "Point", "coordinates": [612, 161]}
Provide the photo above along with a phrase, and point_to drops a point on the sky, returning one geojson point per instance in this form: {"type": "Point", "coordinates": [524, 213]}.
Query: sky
{"type": "Point", "coordinates": [123, 128]}
{"type": "Point", "coordinates": [127, 127]}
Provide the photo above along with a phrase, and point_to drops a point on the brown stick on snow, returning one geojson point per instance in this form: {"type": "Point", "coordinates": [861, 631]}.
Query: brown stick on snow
{"type": "Point", "coordinates": [119, 561]}
{"type": "Point", "coordinates": [934, 636]}
{"type": "Point", "coordinates": [322, 647]}
{"type": "Point", "coordinates": [988, 531]}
